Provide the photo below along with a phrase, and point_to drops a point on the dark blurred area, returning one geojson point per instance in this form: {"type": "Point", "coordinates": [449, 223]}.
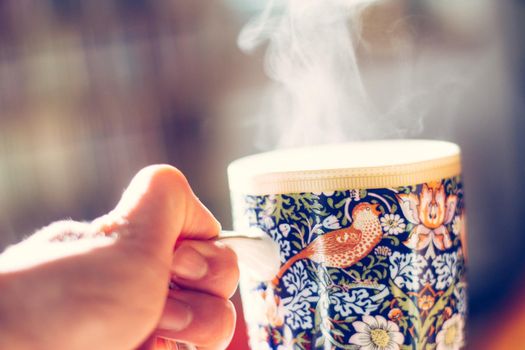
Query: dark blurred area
{"type": "Point", "coordinates": [91, 91]}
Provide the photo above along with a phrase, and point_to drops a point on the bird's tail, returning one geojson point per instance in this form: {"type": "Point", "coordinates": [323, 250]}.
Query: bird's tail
{"type": "Point", "coordinates": [287, 265]}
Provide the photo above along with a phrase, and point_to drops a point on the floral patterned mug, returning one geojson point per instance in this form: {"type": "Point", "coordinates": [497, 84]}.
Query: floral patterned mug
{"type": "Point", "coordinates": [372, 246]}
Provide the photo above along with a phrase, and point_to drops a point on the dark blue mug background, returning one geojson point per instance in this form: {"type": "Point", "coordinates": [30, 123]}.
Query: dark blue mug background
{"type": "Point", "coordinates": [397, 297]}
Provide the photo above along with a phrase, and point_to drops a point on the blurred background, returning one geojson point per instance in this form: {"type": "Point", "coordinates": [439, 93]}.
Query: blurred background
{"type": "Point", "coordinates": [91, 91]}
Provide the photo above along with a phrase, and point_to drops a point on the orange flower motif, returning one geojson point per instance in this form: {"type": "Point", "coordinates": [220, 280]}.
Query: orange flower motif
{"type": "Point", "coordinates": [395, 314]}
{"type": "Point", "coordinates": [429, 212]}
{"type": "Point", "coordinates": [426, 298]}
{"type": "Point", "coordinates": [425, 302]}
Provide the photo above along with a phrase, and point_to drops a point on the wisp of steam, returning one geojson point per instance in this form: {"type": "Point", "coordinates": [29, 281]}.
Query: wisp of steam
{"type": "Point", "coordinates": [319, 96]}
{"type": "Point", "coordinates": [311, 54]}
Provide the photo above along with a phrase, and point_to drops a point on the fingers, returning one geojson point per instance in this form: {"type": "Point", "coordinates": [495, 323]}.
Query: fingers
{"type": "Point", "coordinates": [177, 315]}
{"type": "Point", "coordinates": [208, 273]}
{"type": "Point", "coordinates": [213, 320]}
{"type": "Point", "coordinates": [205, 266]}
{"type": "Point", "coordinates": [156, 208]}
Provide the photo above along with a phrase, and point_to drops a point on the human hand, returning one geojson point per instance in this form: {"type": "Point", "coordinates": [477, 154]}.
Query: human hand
{"type": "Point", "coordinates": [104, 284]}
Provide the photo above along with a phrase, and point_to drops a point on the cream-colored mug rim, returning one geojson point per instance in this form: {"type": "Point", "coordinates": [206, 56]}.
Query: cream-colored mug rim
{"type": "Point", "coordinates": [356, 165]}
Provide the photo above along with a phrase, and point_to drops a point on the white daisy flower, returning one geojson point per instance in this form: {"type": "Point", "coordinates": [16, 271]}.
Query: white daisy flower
{"type": "Point", "coordinates": [393, 224]}
{"type": "Point", "coordinates": [451, 337]}
{"type": "Point", "coordinates": [377, 333]}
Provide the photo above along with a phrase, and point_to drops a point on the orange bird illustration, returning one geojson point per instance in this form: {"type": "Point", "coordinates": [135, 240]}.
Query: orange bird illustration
{"type": "Point", "coordinates": [344, 247]}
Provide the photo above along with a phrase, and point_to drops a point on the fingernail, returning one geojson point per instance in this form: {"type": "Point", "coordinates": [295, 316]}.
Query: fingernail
{"type": "Point", "coordinates": [177, 316]}
{"type": "Point", "coordinates": [189, 264]}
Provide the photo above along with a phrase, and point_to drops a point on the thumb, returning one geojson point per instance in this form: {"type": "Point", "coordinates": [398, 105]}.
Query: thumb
{"type": "Point", "coordinates": [157, 209]}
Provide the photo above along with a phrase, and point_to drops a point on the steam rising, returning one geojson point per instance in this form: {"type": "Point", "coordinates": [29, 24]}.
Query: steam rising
{"type": "Point", "coordinates": [319, 95]}
{"type": "Point", "coordinates": [311, 54]}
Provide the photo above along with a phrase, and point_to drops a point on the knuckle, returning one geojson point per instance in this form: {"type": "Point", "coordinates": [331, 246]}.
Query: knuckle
{"type": "Point", "coordinates": [167, 176]}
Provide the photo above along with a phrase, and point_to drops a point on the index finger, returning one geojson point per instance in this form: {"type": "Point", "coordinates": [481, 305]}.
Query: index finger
{"type": "Point", "coordinates": [157, 208]}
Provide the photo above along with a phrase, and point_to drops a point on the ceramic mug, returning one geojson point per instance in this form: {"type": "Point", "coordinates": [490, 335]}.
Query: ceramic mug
{"type": "Point", "coordinates": [372, 249]}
